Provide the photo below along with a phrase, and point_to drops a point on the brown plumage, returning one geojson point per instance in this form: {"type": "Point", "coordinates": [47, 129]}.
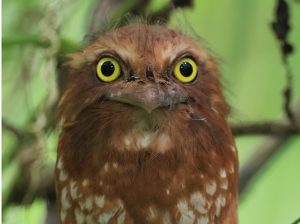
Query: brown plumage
{"type": "Point", "coordinates": [145, 147]}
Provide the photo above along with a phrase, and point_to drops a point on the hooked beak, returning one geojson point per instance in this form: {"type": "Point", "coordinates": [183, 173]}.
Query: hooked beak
{"type": "Point", "coordinates": [149, 97]}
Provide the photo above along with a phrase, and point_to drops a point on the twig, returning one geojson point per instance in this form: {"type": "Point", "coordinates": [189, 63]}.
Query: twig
{"type": "Point", "coordinates": [287, 93]}
{"type": "Point", "coordinates": [296, 221]}
{"type": "Point", "coordinates": [265, 128]}
{"type": "Point", "coordinates": [23, 39]}
{"type": "Point", "coordinates": [20, 134]}
{"type": "Point", "coordinates": [281, 29]}
{"type": "Point", "coordinates": [66, 45]}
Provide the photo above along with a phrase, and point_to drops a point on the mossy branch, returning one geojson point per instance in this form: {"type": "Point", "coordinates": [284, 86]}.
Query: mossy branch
{"type": "Point", "coordinates": [66, 45]}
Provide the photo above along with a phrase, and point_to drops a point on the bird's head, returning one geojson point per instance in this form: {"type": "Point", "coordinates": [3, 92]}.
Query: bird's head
{"type": "Point", "coordinates": [143, 69]}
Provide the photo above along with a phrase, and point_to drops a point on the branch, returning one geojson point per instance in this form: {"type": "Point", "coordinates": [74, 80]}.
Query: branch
{"type": "Point", "coordinates": [23, 137]}
{"type": "Point", "coordinates": [66, 45]}
{"type": "Point", "coordinates": [296, 221]}
{"type": "Point", "coordinates": [262, 154]}
{"type": "Point", "coordinates": [20, 134]}
{"type": "Point", "coordinates": [19, 193]}
{"type": "Point", "coordinates": [24, 39]}
{"type": "Point", "coordinates": [265, 128]}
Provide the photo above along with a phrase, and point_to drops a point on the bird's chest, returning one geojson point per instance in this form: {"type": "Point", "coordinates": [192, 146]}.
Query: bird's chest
{"type": "Point", "coordinates": [145, 189]}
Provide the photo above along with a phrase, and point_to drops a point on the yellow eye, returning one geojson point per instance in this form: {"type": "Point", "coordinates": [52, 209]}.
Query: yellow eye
{"type": "Point", "coordinates": [108, 69]}
{"type": "Point", "coordinates": [185, 70]}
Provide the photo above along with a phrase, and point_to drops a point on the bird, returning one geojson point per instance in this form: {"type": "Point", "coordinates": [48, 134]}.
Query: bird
{"type": "Point", "coordinates": [144, 136]}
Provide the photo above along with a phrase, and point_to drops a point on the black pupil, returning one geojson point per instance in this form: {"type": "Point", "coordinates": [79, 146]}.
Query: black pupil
{"type": "Point", "coordinates": [186, 69]}
{"type": "Point", "coordinates": [107, 68]}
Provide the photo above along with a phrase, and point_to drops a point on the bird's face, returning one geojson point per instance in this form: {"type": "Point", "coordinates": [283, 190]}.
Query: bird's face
{"type": "Point", "coordinates": [146, 70]}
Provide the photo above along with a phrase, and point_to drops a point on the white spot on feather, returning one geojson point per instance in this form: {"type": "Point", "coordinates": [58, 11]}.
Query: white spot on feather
{"type": "Point", "coordinates": [63, 175]}
{"type": "Point", "coordinates": [224, 184]}
{"type": "Point", "coordinates": [163, 143]}
{"type": "Point", "coordinates": [220, 202]}
{"type": "Point", "coordinates": [73, 190]}
{"type": "Point", "coordinates": [89, 203]}
{"type": "Point", "coordinates": [63, 215]}
{"type": "Point", "coordinates": [121, 218]}
{"type": "Point", "coordinates": [152, 213]}
{"type": "Point", "coordinates": [79, 216]}
{"type": "Point", "coordinates": [218, 209]}
{"type": "Point", "coordinates": [168, 191]}
{"type": "Point", "coordinates": [85, 182]}
{"type": "Point", "coordinates": [127, 141]}
{"type": "Point", "coordinates": [199, 202]}
{"type": "Point", "coordinates": [167, 218]}
{"type": "Point", "coordinates": [231, 168]}
{"type": "Point", "coordinates": [211, 188]}
{"type": "Point", "coordinates": [144, 141]}
{"type": "Point", "coordinates": [60, 164]}
{"type": "Point", "coordinates": [89, 219]}
{"type": "Point", "coordinates": [115, 165]}
{"type": "Point", "coordinates": [106, 216]}
{"type": "Point", "coordinates": [106, 167]}
{"type": "Point", "coordinates": [203, 220]}
{"type": "Point", "coordinates": [223, 173]}
{"type": "Point", "coordinates": [99, 200]}
{"type": "Point", "coordinates": [187, 215]}
{"type": "Point", "coordinates": [65, 203]}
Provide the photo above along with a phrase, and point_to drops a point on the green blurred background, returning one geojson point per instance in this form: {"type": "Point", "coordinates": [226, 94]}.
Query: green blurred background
{"type": "Point", "coordinates": [237, 31]}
